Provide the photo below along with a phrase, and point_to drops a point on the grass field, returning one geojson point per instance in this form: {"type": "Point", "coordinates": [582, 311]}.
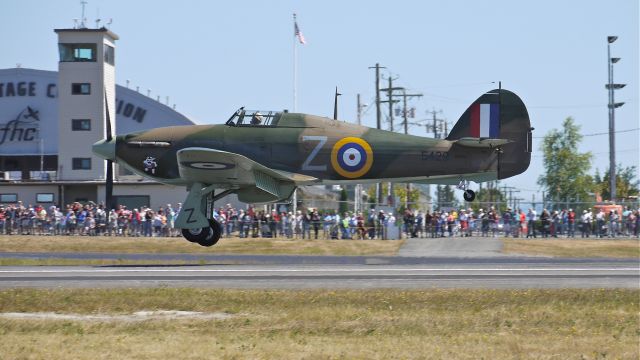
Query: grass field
{"type": "Point", "coordinates": [374, 324]}
{"type": "Point", "coordinates": [179, 245]}
{"type": "Point", "coordinates": [593, 248]}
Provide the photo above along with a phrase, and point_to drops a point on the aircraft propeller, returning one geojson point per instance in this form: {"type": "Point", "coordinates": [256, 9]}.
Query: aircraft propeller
{"type": "Point", "coordinates": [109, 181]}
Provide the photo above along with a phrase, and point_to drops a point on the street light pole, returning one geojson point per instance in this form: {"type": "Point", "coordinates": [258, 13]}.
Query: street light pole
{"type": "Point", "coordinates": [612, 106]}
{"type": "Point", "coordinates": [612, 146]}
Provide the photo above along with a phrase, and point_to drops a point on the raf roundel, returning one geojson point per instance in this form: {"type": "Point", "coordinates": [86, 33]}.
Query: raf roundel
{"type": "Point", "coordinates": [351, 157]}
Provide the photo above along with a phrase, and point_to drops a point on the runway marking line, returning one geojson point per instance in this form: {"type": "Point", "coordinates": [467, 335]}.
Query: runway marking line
{"type": "Point", "coordinates": [308, 270]}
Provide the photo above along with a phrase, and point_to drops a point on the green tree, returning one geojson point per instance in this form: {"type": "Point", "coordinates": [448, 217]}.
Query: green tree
{"type": "Point", "coordinates": [490, 196]}
{"type": "Point", "coordinates": [626, 183]}
{"type": "Point", "coordinates": [446, 197]}
{"type": "Point", "coordinates": [402, 192]}
{"type": "Point", "coordinates": [566, 170]}
{"type": "Point", "coordinates": [399, 190]}
{"type": "Point", "coordinates": [343, 206]}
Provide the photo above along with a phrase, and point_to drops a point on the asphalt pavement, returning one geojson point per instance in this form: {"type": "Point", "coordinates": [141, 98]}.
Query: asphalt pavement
{"type": "Point", "coordinates": [626, 275]}
{"type": "Point", "coordinates": [463, 247]}
{"type": "Point", "coordinates": [422, 263]}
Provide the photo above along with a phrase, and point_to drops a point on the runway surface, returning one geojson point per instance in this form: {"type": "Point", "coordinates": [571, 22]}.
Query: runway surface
{"type": "Point", "coordinates": [421, 263]}
{"type": "Point", "coordinates": [523, 273]}
{"type": "Point", "coordinates": [452, 247]}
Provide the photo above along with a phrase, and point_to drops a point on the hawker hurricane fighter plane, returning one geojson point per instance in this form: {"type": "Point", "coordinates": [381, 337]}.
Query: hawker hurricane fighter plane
{"type": "Point", "coordinates": [262, 156]}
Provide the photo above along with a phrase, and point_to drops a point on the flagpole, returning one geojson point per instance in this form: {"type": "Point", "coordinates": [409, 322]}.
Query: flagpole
{"type": "Point", "coordinates": [295, 68]}
{"type": "Point", "coordinates": [295, 85]}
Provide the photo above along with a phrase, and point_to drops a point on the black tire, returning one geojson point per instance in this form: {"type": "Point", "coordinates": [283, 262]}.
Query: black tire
{"type": "Point", "coordinates": [469, 195]}
{"type": "Point", "coordinates": [197, 235]}
{"type": "Point", "coordinates": [216, 232]}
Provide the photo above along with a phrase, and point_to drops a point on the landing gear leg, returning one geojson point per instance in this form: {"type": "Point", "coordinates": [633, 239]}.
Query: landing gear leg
{"type": "Point", "coordinates": [196, 220]}
{"type": "Point", "coordinates": [468, 194]}
{"type": "Point", "coordinates": [214, 226]}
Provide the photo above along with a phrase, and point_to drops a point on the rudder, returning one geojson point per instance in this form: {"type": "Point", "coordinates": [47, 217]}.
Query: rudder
{"type": "Point", "coordinates": [499, 114]}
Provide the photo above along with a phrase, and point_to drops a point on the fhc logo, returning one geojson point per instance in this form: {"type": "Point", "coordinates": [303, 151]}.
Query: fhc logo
{"type": "Point", "coordinates": [23, 128]}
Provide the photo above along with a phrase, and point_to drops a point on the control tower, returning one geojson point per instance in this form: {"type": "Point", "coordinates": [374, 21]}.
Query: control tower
{"type": "Point", "coordinates": [86, 91]}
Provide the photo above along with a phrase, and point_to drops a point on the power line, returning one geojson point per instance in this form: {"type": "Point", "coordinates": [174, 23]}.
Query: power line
{"type": "Point", "coordinates": [577, 106]}
{"type": "Point", "coordinates": [597, 134]}
{"type": "Point", "coordinates": [598, 153]}
{"type": "Point", "coordinates": [607, 133]}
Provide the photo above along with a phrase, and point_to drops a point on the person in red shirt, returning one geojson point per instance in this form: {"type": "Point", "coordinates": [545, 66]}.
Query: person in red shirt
{"type": "Point", "coordinates": [571, 219]}
{"type": "Point", "coordinates": [273, 223]}
{"type": "Point", "coordinates": [523, 222]}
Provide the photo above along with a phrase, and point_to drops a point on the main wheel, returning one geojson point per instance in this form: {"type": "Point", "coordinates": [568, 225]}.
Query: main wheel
{"type": "Point", "coordinates": [197, 235]}
{"type": "Point", "coordinates": [469, 195]}
{"type": "Point", "coordinates": [216, 231]}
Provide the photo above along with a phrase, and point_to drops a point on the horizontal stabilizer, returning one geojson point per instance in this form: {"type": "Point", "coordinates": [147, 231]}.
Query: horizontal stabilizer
{"type": "Point", "coordinates": [481, 142]}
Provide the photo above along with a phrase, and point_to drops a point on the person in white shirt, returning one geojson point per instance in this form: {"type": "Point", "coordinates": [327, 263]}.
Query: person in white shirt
{"type": "Point", "coordinates": [600, 220]}
{"type": "Point", "coordinates": [585, 224]}
{"type": "Point", "coordinates": [532, 217]}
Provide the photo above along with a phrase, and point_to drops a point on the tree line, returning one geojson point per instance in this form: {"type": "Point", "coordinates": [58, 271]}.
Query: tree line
{"type": "Point", "coordinates": [567, 173]}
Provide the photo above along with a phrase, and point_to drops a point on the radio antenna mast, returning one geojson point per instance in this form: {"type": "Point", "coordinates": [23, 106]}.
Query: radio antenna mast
{"type": "Point", "coordinates": [83, 19]}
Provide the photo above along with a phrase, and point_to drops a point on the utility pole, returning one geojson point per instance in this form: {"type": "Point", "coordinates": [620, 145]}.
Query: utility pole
{"type": "Point", "coordinates": [513, 199]}
{"type": "Point", "coordinates": [509, 197]}
{"type": "Point", "coordinates": [516, 202]}
{"type": "Point", "coordinates": [533, 201]}
{"type": "Point", "coordinates": [406, 96]}
{"type": "Point", "coordinates": [390, 100]}
{"type": "Point", "coordinates": [359, 110]}
{"type": "Point", "coordinates": [357, 196]}
{"type": "Point", "coordinates": [378, 113]}
{"type": "Point", "coordinates": [406, 131]}
{"type": "Point", "coordinates": [436, 121]}
{"type": "Point", "coordinates": [378, 118]}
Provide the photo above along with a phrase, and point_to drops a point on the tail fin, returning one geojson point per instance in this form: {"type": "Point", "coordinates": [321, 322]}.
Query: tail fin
{"type": "Point", "coordinates": [499, 114]}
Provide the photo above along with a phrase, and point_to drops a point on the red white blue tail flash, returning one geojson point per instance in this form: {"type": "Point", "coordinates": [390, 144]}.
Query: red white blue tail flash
{"type": "Point", "coordinates": [485, 120]}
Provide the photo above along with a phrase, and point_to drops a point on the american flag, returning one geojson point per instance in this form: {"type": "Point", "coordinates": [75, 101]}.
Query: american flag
{"type": "Point", "coordinates": [298, 33]}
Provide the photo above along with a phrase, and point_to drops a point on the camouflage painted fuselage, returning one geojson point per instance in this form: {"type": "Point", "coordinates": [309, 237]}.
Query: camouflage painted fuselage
{"type": "Point", "coordinates": [328, 151]}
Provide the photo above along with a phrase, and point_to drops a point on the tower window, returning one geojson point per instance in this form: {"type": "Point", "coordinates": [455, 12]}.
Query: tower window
{"type": "Point", "coordinates": [81, 163]}
{"type": "Point", "coordinates": [81, 125]}
{"type": "Point", "coordinates": [77, 52]}
{"type": "Point", "coordinates": [109, 55]}
{"type": "Point", "coordinates": [80, 89]}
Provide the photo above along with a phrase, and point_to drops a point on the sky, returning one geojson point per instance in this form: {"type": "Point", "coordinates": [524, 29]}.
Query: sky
{"type": "Point", "coordinates": [211, 57]}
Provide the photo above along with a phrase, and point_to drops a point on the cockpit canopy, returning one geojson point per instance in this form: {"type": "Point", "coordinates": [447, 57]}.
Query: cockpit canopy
{"type": "Point", "coordinates": [244, 117]}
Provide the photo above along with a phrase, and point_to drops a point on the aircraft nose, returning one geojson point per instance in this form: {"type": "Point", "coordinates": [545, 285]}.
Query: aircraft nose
{"type": "Point", "coordinates": [105, 149]}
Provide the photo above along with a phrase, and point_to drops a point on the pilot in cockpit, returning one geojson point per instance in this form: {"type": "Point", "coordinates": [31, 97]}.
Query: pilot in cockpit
{"type": "Point", "coordinates": [256, 119]}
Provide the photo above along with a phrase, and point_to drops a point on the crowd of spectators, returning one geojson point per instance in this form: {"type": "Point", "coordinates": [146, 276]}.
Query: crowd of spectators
{"type": "Point", "coordinates": [93, 219]}
{"type": "Point", "coordinates": [516, 223]}
{"type": "Point", "coordinates": [88, 219]}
